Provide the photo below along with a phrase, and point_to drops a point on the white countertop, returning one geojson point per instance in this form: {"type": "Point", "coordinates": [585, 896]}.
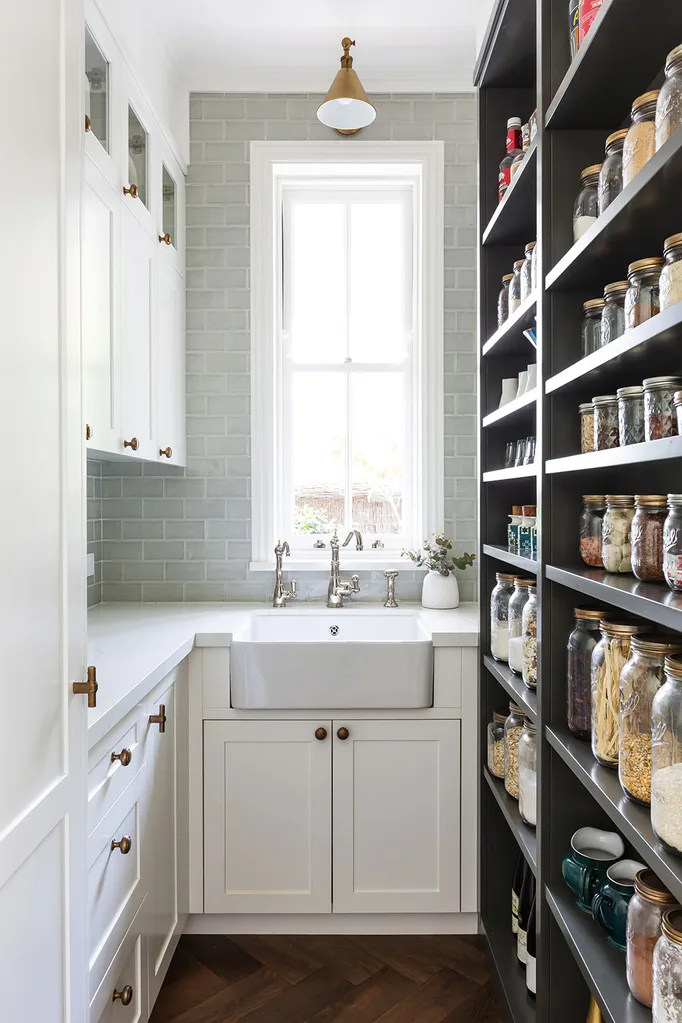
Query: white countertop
{"type": "Point", "coordinates": [134, 646]}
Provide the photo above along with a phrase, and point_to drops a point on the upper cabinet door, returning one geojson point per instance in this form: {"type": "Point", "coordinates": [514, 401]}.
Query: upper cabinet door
{"type": "Point", "coordinates": [169, 362]}
{"type": "Point", "coordinates": [141, 194]}
{"type": "Point", "coordinates": [171, 233]}
{"type": "Point", "coordinates": [101, 88]}
{"type": "Point", "coordinates": [138, 259]}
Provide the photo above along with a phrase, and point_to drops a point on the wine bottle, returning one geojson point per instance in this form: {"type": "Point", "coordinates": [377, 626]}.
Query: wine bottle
{"type": "Point", "coordinates": [531, 969]}
{"type": "Point", "coordinates": [517, 882]}
{"type": "Point", "coordinates": [525, 906]}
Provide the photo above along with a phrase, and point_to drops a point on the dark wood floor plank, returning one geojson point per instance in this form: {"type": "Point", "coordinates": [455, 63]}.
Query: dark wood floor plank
{"type": "Point", "coordinates": [299, 1002]}
{"type": "Point", "coordinates": [458, 953]}
{"type": "Point", "coordinates": [238, 1000]}
{"type": "Point", "coordinates": [221, 955]}
{"type": "Point", "coordinates": [282, 954]}
{"type": "Point", "coordinates": [433, 1001]}
{"type": "Point", "coordinates": [187, 983]}
{"type": "Point", "coordinates": [367, 1001]}
{"type": "Point", "coordinates": [402, 953]}
{"type": "Point", "coordinates": [339, 951]}
{"type": "Point", "coordinates": [481, 1007]}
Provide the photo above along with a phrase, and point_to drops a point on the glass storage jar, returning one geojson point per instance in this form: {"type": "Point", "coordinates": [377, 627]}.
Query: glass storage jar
{"type": "Point", "coordinates": [611, 175]}
{"type": "Point", "coordinates": [529, 631]}
{"type": "Point", "coordinates": [499, 616]}
{"type": "Point", "coordinates": [672, 543]}
{"type": "Point", "coordinates": [534, 268]}
{"type": "Point", "coordinates": [670, 284]}
{"type": "Point", "coordinates": [669, 105]}
{"type": "Point", "coordinates": [605, 421]}
{"type": "Point", "coordinates": [667, 973]}
{"type": "Point", "coordinates": [660, 418]}
{"type": "Point", "coordinates": [585, 209]}
{"type": "Point", "coordinates": [640, 141]}
{"type": "Point", "coordinates": [586, 411]}
{"type": "Point", "coordinates": [647, 536]}
{"type": "Point", "coordinates": [594, 509]}
{"type": "Point", "coordinates": [590, 334]}
{"type": "Point", "coordinates": [609, 657]}
{"type": "Point", "coordinates": [613, 313]}
{"type": "Point", "coordinates": [677, 402]}
{"type": "Point", "coordinates": [666, 758]}
{"type": "Point", "coordinates": [642, 300]}
{"type": "Point", "coordinates": [581, 644]}
{"type": "Point", "coordinates": [513, 727]}
{"type": "Point", "coordinates": [645, 918]}
{"type": "Point", "coordinates": [503, 300]}
{"type": "Point", "coordinates": [495, 742]}
{"type": "Point", "coordinates": [517, 602]}
{"type": "Point", "coordinates": [616, 539]}
{"type": "Point", "coordinates": [515, 287]}
{"type": "Point", "coordinates": [527, 272]}
{"type": "Point", "coordinates": [630, 415]}
{"type": "Point", "coordinates": [528, 773]}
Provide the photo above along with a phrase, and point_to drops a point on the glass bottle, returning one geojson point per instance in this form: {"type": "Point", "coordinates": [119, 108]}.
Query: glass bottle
{"type": "Point", "coordinates": [529, 631]}
{"type": "Point", "coordinates": [528, 773]}
{"type": "Point", "coordinates": [517, 603]}
{"type": "Point", "coordinates": [531, 952]}
{"type": "Point", "coordinates": [645, 918]}
{"type": "Point", "coordinates": [503, 300]}
{"type": "Point", "coordinates": [495, 743]}
{"type": "Point", "coordinates": [630, 415]}
{"type": "Point", "coordinates": [527, 272]}
{"type": "Point", "coordinates": [608, 660]}
{"type": "Point", "coordinates": [586, 411]}
{"type": "Point", "coordinates": [590, 334]}
{"type": "Point", "coordinates": [515, 287]}
{"type": "Point", "coordinates": [666, 758]}
{"type": "Point", "coordinates": [520, 870]}
{"type": "Point", "coordinates": [581, 644]}
{"type": "Point", "coordinates": [585, 210]}
{"type": "Point", "coordinates": [514, 148]}
{"type": "Point", "coordinates": [640, 141]}
{"type": "Point", "coordinates": [616, 546]}
{"type": "Point", "coordinates": [667, 972]}
{"type": "Point", "coordinates": [660, 418]}
{"type": "Point", "coordinates": [672, 543]}
{"type": "Point", "coordinates": [513, 728]}
{"type": "Point", "coordinates": [611, 175]}
{"type": "Point", "coordinates": [670, 284]}
{"type": "Point", "coordinates": [591, 521]}
{"type": "Point", "coordinates": [613, 313]}
{"type": "Point", "coordinates": [647, 536]}
{"type": "Point", "coordinates": [499, 616]}
{"type": "Point", "coordinates": [642, 300]}
{"type": "Point", "coordinates": [669, 105]}
{"type": "Point", "coordinates": [605, 421]}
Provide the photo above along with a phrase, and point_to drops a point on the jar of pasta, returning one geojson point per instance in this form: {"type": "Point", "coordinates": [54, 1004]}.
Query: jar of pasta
{"type": "Point", "coordinates": [669, 105]}
{"type": "Point", "coordinates": [630, 415]}
{"type": "Point", "coordinates": [666, 758]}
{"type": "Point", "coordinates": [590, 334]}
{"type": "Point", "coordinates": [616, 545]}
{"type": "Point", "coordinates": [670, 284]}
{"type": "Point", "coordinates": [513, 727]}
{"type": "Point", "coordinates": [660, 418]}
{"type": "Point", "coordinates": [672, 543]}
{"type": "Point", "coordinates": [645, 919]}
{"type": "Point", "coordinates": [613, 313]}
{"type": "Point", "coordinates": [642, 300]}
{"type": "Point", "coordinates": [647, 536]}
{"type": "Point", "coordinates": [594, 509]}
{"type": "Point", "coordinates": [640, 141]}
{"type": "Point", "coordinates": [611, 174]}
{"type": "Point", "coordinates": [609, 657]}
{"type": "Point", "coordinates": [529, 631]}
{"type": "Point", "coordinates": [605, 421]}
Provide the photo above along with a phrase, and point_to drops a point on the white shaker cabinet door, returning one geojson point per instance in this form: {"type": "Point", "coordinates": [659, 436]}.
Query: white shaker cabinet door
{"type": "Point", "coordinates": [396, 816]}
{"type": "Point", "coordinates": [267, 814]}
{"type": "Point", "coordinates": [170, 365]}
{"type": "Point", "coordinates": [138, 259]}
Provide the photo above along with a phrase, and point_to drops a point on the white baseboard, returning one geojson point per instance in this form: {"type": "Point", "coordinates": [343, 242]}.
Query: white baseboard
{"type": "Point", "coordinates": [332, 923]}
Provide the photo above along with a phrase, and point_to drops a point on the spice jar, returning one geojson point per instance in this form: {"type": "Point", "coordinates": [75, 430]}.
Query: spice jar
{"type": "Point", "coordinates": [495, 741]}
{"type": "Point", "coordinates": [640, 680]}
{"type": "Point", "coordinates": [585, 209]}
{"type": "Point", "coordinates": [517, 602]}
{"type": "Point", "coordinates": [590, 333]}
{"type": "Point", "coordinates": [666, 758]}
{"type": "Point", "coordinates": [503, 300]}
{"type": "Point", "coordinates": [609, 657]}
{"type": "Point", "coordinates": [513, 728]}
{"type": "Point", "coordinates": [616, 539]}
{"type": "Point", "coordinates": [667, 972]}
{"type": "Point", "coordinates": [611, 175]}
{"type": "Point", "coordinates": [529, 631]}
{"type": "Point", "coordinates": [586, 411]}
{"type": "Point", "coordinates": [581, 644]}
{"type": "Point", "coordinates": [528, 773]}
{"type": "Point", "coordinates": [672, 543]}
{"type": "Point", "coordinates": [647, 536]}
{"type": "Point", "coordinates": [642, 300]}
{"type": "Point", "coordinates": [670, 284]}
{"type": "Point", "coordinates": [499, 616]}
{"type": "Point", "coordinates": [630, 415]}
{"type": "Point", "coordinates": [660, 419]}
{"type": "Point", "coordinates": [594, 509]}
{"type": "Point", "coordinates": [640, 141]}
{"type": "Point", "coordinates": [645, 919]}
{"type": "Point", "coordinates": [527, 272]}
{"type": "Point", "coordinates": [669, 105]}
{"type": "Point", "coordinates": [605, 421]}
{"type": "Point", "coordinates": [613, 313]}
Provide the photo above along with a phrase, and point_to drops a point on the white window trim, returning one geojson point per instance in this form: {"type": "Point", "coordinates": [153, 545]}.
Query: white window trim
{"type": "Point", "coordinates": [271, 162]}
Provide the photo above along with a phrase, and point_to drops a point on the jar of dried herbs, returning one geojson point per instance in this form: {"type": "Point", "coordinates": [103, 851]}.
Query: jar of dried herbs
{"type": "Point", "coordinates": [585, 209]}
{"type": "Point", "coordinates": [590, 333]}
{"type": "Point", "coordinates": [613, 313]}
{"type": "Point", "coordinates": [640, 141]}
{"type": "Point", "coordinates": [594, 509]}
{"type": "Point", "coordinates": [647, 536]}
{"type": "Point", "coordinates": [581, 644]}
{"type": "Point", "coordinates": [611, 175]}
{"type": "Point", "coordinates": [660, 418]}
{"type": "Point", "coordinates": [643, 300]}
{"type": "Point", "coordinates": [529, 630]}
{"type": "Point", "coordinates": [503, 300]}
{"type": "Point", "coordinates": [527, 272]}
{"type": "Point", "coordinates": [672, 543]}
{"type": "Point", "coordinates": [616, 545]}
{"type": "Point", "coordinates": [645, 920]}
{"type": "Point", "coordinates": [669, 105]}
{"type": "Point", "coordinates": [586, 411]}
{"type": "Point", "coordinates": [495, 744]}
{"type": "Point", "coordinates": [670, 285]}
{"type": "Point", "coordinates": [605, 422]}
{"type": "Point", "coordinates": [609, 657]}
{"type": "Point", "coordinates": [630, 415]}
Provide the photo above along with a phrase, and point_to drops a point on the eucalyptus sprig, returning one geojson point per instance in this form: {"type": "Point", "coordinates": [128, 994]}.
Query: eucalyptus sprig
{"type": "Point", "coordinates": [438, 556]}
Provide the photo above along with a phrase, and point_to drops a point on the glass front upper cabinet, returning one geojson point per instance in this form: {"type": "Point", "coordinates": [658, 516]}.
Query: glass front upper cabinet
{"type": "Point", "coordinates": [138, 146]}
{"type": "Point", "coordinates": [96, 86]}
{"type": "Point", "coordinates": [169, 193]}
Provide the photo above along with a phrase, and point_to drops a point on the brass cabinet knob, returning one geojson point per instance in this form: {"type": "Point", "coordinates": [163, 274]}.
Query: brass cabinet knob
{"type": "Point", "coordinates": [131, 190]}
{"type": "Point", "coordinates": [88, 123]}
{"type": "Point", "coordinates": [166, 238]}
{"type": "Point", "coordinates": [88, 688]}
{"type": "Point", "coordinates": [125, 995]}
{"type": "Point", "coordinates": [343, 733]}
{"type": "Point", "coordinates": [125, 756]}
{"type": "Point", "coordinates": [125, 845]}
{"type": "Point", "coordinates": [133, 443]}
{"type": "Point", "coordinates": [160, 718]}
{"type": "Point", "coordinates": [321, 734]}
{"type": "Point", "coordinates": [88, 431]}
{"type": "Point", "coordinates": [168, 452]}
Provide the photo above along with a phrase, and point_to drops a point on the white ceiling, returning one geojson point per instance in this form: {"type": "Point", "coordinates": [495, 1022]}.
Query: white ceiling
{"type": "Point", "coordinates": [268, 45]}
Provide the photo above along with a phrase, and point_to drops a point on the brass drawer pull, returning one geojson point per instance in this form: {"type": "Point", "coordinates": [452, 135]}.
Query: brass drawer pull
{"type": "Point", "coordinates": [133, 443]}
{"type": "Point", "coordinates": [166, 238]}
{"type": "Point", "coordinates": [125, 845]}
{"type": "Point", "coordinates": [160, 718]}
{"type": "Point", "coordinates": [168, 452]}
{"type": "Point", "coordinates": [343, 733]}
{"type": "Point", "coordinates": [88, 688]}
{"type": "Point", "coordinates": [125, 995]}
{"type": "Point", "coordinates": [88, 123]}
{"type": "Point", "coordinates": [321, 734]}
{"type": "Point", "coordinates": [125, 756]}
{"type": "Point", "coordinates": [132, 192]}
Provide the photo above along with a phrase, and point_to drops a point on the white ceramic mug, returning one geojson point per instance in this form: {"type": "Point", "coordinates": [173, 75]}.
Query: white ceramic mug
{"type": "Point", "coordinates": [523, 383]}
{"type": "Point", "coordinates": [509, 389]}
{"type": "Point", "coordinates": [532, 377]}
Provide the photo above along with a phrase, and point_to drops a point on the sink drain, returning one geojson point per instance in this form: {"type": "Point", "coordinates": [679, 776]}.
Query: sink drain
{"type": "Point", "coordinates": [334, 630]}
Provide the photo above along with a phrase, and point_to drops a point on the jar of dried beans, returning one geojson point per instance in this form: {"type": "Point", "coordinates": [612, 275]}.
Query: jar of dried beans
{"type": "Point", "coordinates": [581, 644]}
{"type": "Point", "coordinates": [527, 272]}
{"type": "Point", "coordinates": [529, 630]}
{"type": "Point", "coordinates": [666, 758]}
{"type": "Point", "coordinates": [667, 972]}
{"type": "Point", "coordinates": [611, 174]}
{"type": "Point", "coordinates": [495, 743]}
{"type": "Point", "coordinates": [499, 616]}
{"type": "Point", "coordinates": [672, 543]}
{"type": "Point", "coordinates": [670, 285]}
{"type": "Point", "coordinates": [594, 509]}
{"type": "Point", "coordinates": [513, 728]}
{"type": "Point", "coordinates": [642, 300]}
{"type": "Point", "coordinates": [585, 209]}
{"type": "Point", "coordinates": [503, 300]}
{"type": "Point", "coordinates": [613, 313]}
{"type": "Point", "coordinates": [605, 421]}
{"type": "Point", "coordinates": [517, 602]}
{"type": "Point", "coordinates": [630, 415]}
{"type": "Point", "coordinates": [640, 680]}
{"type": "Point", "coordinates": [645, 919]}
{"type": "Point", "coordinates": [647, 536]}
{"type": "Point", "coordinates": [640, 141]}
{"type": "Point", "coordinates": [515, 287]}
{"type": "Point", "coordinates": [616, 545]}
{"type": "Point", "coordinates": [590, 334]}
{"type": "Point", "coordinates": [669, 105]}
{"type": "Point", "coordinates": [660, 419]}
{"type": "Point", "coordinates": [609, 658]}
{"type": "Point", "coordinates": [528, 773]}
{"type": "Point", "coordinates": [586, 411]}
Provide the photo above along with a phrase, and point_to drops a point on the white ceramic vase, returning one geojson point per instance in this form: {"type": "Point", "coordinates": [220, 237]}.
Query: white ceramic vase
{"type": "Point", "coordinates": [509, 388]}
{"type": "Point", "coordinates": [440, 591]}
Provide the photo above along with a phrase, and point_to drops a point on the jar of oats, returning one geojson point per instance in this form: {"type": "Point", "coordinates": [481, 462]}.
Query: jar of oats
{"type": "Point", "coordinates": [669, 105]}
{"type": "Point", "coordinates": [513, 727]}
{"type": "Point", "coordinates": [666, 758]}
{"type": "Point", "coordinates": [640, 141]}
{"type": "Point", "coordinates": [586, 412]}
{"type": "Point", "coordinates": [670, 283]}
{"type": "Point", "coordinates": [495, 743]}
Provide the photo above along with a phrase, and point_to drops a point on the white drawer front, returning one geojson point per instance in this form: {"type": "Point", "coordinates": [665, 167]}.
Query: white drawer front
{"type": "Point", "coordinates": [108, 778]}
{"type": "Point", "coordinates": [127, 969]}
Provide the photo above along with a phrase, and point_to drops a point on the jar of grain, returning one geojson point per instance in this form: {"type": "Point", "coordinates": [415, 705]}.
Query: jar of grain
{"type": "Point", "coordinates": [640, 141]}
{"type": "Point", "coordinates": [640, 680]}
{"type": "Point", "coordinates": [605, 422]}
{"type": "Point", "coordinates": [515, 287]}
{"type": "Point", "coordinates": [527, 272]}
{"type": "Point", "coordinates": [660, 419]}
{"type": "Point", "coordinates": [517, 602]}
{"type": "Point", "coordinates": [666, 758]}
{"type": "Point", "coordinates": [611, 175]}
{"type": "Point", "coordinates": [609, 657]}
{"type": "Point", "coordinates": [672, 543]}
{"type": "Point", "coordinates": [669, 105]}
{"type": "Point", "coordinates": [590, 334]}
{"type": "Point", "coordinates": [529, 631]}
{"type": "Point", "coordinates": [586, 411]}
{"type": "Point", "coordinates": [594, 509]}
{"type": "Point", "coordinates": [645, 919]}
{"type": "Point", "coordinates": [616, 535]}
{"type": "Point", "coordinates": [670, 285]}
{"type": "Point", "coordinates": [581, 644]}
{"type": "Point", "coordinates": [503, 300]}
{"type": "Point", "coordinates": [528, 773]}
{"type": "Point", "coordinates": [495, 743]}
{"type": "Point", "coordinates": [613, 313]}
{"type": "Point", "coordinates": [585, 209]}
{"type": "Point", "coordinates": [642, 300]}
{"type": "Point", "coordinates": [630, 415]}
{"type": "Point", "coordinates": [647, 536]}
{"type": "Point", "coordinates": [667, 972]}
{"type": "Point", "coordinates": [499, 616]}
{"type": "Point", "coordinates": [513, 727]}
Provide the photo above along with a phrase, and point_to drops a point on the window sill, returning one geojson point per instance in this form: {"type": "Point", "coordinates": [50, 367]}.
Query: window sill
{"type": "Point", "coordinates": [367, 561]}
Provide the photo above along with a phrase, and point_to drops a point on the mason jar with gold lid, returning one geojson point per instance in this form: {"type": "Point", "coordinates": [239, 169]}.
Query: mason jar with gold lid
{"type": "Point", "coordinates": [580, 646]}
{"type": "Point", "coordinates": [640, 141]}
{"type": "Point", "coordinates": [586, 207]}
{"type": "Point", "coordinates": [590, 333]}
{"type": "Point", "coordinates": [667, 975]}
{"type": "Point", "coordinates": [646, 534]}
{"type": "Point", "coordinates": [643, 300]}
{"type": "Point", "coordinates": [645, 920]}
{"type": "Point", "coordinates": [669, 105]}
{"type": "Point", "coordinates": [611, 175]}
{"type": "Point", "coordinates": [609, 657]}
{"type": "Point", "coordinates": [666, 758]}
{"type": "Point", "coordinates": [670, 284]}
{"type": "Point", "coordinates": [613, 313]}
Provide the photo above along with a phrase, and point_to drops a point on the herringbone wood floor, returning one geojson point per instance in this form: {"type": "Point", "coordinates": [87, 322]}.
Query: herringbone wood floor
{"type": "Point", "coordinates": [320, 979]}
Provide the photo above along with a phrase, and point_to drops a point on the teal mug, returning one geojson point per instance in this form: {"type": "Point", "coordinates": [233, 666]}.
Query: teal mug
{"type": "Point", "coordinates": [610, 904]}
{"type": "Point", "coordinates": [584, 869]}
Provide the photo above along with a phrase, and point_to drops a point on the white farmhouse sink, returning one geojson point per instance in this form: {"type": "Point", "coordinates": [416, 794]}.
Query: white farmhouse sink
{"type": "Point", "coordinates": [331, 659]}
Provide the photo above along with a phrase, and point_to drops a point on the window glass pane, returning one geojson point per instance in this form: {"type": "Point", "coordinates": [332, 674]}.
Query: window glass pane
{"type": "Point", "coordinates": [378, 451]}
{"type": "Point", "coordinates": [377, 331]}
{"type": "Point", "coordinates": [317, 287]}
{"type": "Point", "coordinates": [319, 455]}
{"type": "Point", "coordinates": [96, 87]}
{"type": "Point", "coordinates": [168, 191]}
{"type": "Point", "coordinates": [137, 155]}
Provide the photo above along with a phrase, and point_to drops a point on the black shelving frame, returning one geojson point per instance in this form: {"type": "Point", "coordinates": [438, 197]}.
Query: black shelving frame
{"type": "Point", "coordinates": [525, 64]}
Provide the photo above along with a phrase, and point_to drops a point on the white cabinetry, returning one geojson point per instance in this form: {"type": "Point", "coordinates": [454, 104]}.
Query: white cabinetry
{"type": "Point", "coordinates": [170, 361]}
{"type": "Point", "coordinates": [138, 261]}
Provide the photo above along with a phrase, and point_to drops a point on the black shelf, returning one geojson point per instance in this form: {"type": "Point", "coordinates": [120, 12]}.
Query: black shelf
{"type": "Point", "coordinates": [510, 976]}
{"type": "Point", "coordinates": [508, 339]}
{"type": "Point", "coordinates": [507, 55]}
{"type": "Point", "coordinates": [602, 966]}
{"type": "Point", "coordinates": [523, 562]}
{"type": "Point", "coordinates": [514, 686]}
{"type": "Point", "coordinates": [653, 601]}
{"type": "Point", "coordinates": [650, 451]}
{"type": "Point", "coordinates": [524, 835]}
{"type": "Point", "coordinates": [513, 222]}
{"type": "Point", "coordinates": [517, 472]}
{"type": "Point", "coordinates": [517, 409]}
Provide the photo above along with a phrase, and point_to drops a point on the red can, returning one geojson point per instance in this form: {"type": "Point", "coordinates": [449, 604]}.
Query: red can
{"type": "Point", "coordinates": [589, 9]}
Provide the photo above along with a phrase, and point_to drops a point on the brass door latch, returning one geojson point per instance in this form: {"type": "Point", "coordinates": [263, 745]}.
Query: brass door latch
{"type": "Point", "coordinates": [88, 688]}
{"type": "Point", "coordinates": [160, 718]}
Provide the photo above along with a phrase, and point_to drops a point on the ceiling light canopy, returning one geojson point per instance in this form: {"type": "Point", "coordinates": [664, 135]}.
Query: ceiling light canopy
{"type": "Point", "coordinates": [346, 106]}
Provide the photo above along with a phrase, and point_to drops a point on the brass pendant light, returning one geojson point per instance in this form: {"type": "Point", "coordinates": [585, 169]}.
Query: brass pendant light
{"type": "Point", "coordinates": [346, 106]}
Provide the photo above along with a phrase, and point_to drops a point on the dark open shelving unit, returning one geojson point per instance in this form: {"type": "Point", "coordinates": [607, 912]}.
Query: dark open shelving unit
{"type": "Point", "coordinates": [525, 64]}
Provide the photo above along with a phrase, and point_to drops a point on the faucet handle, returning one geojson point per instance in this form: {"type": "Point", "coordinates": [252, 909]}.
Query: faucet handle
{"type": "Point", "coordinates": [390, 589]}
{"type": "Point", "coordinates": [292, 588]}
{"type": "Point", "coordinates": [355, 580]}
{"type": "Point", "coordinates": [282, 548]}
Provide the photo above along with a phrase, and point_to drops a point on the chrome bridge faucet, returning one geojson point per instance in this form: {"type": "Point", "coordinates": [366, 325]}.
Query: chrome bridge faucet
{"type": "Point", "coordinates": [338, 590]}
{"type": "Point", "coordinates": [280, 596]}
